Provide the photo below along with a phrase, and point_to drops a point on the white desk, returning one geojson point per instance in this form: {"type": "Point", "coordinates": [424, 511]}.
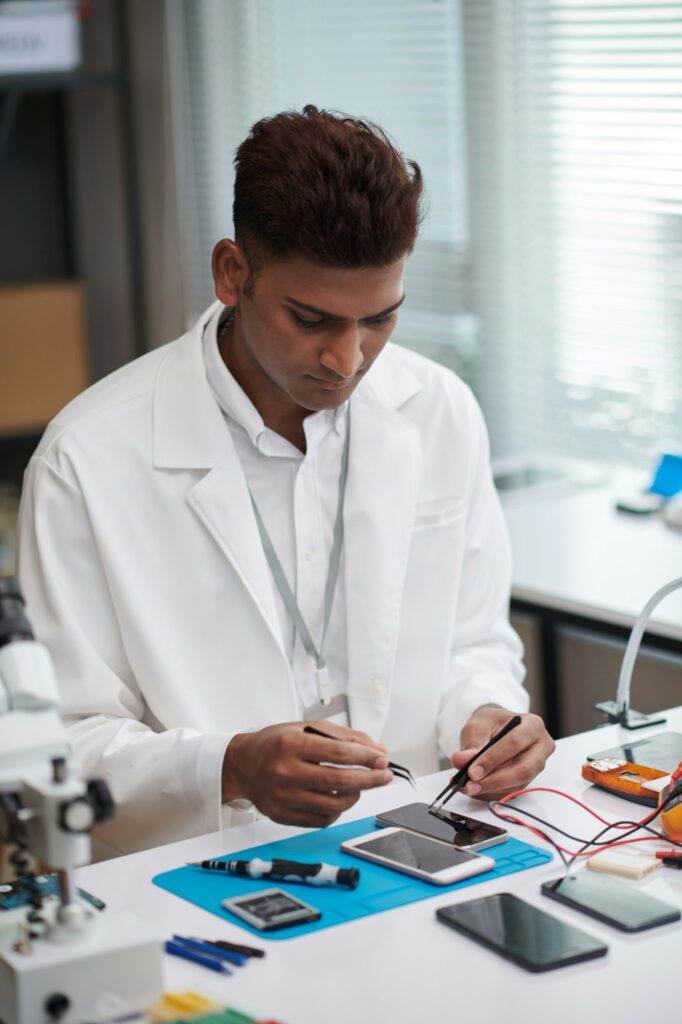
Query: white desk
{"type": "Point", "coordinates": [580, 563]}
{"type": "Point", "coordinates": [575, 553]}
{"type": "Point", "coordinates": [403, 966]}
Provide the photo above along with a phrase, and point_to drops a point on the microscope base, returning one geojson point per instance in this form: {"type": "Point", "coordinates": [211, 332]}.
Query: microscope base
{"type": "Point", "coordinates": [112, 967]}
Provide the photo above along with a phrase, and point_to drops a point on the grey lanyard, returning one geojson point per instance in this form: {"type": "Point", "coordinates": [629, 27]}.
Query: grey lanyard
{"type": "Point", "coordinates": [291, 604]}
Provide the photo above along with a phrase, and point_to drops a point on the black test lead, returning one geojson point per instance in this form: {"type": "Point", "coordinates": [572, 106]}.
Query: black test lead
{"type": "Point", "coordinates": [284, 871]}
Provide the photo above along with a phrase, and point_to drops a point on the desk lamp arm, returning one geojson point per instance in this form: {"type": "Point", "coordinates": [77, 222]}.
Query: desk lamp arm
{"type": "Point", "coordinates": [619, 711]}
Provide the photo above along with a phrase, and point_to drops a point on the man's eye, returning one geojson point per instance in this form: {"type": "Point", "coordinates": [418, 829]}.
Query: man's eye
{"type": "Point", "coordinates": [307, 325]}
{"type": "Point", "coordinates": [377, 320]}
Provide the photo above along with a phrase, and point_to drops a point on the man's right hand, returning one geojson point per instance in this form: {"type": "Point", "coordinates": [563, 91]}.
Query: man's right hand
{"type": "Point", "coordinates": [290, 775]}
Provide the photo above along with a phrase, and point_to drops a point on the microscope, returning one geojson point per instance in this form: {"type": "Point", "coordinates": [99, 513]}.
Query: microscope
{"type": "Point", "coordinates": [60, 959]}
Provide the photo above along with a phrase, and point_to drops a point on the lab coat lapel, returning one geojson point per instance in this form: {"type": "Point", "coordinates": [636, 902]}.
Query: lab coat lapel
{"type": "Point", "coordinates": [381, 493]}
{"type": "Point", "coordinates": [222, 503]}
{"type": "Point", "coordinates": [189, 432]}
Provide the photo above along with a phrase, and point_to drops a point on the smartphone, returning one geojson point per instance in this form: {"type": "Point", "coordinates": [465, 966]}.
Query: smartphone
{"type": "Point", "coordinates": [270, 909]}
{"type": "Point", "coordinates": [455, 829]}
{"type": "Point", "coordinates": [520, 932]}
{"type": "Point", "coordinates": [428, 859]}
{"type": "Point", "coordinates": [611, 901]}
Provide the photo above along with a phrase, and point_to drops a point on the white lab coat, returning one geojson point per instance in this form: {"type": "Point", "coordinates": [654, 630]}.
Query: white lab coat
{"type": "Point", "coordinates": [144, 574]}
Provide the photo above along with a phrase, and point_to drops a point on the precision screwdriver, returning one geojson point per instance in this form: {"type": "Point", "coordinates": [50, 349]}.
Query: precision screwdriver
{"type": "Point", "coordinates": [284, 871]}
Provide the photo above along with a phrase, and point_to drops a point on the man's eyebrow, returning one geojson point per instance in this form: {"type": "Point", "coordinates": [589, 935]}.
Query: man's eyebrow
{"type": "Point", "coordinates": [335, 316]}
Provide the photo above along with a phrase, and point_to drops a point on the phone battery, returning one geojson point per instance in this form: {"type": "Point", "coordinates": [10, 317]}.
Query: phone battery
{"type": "Point", "coordinates": [270, 909]}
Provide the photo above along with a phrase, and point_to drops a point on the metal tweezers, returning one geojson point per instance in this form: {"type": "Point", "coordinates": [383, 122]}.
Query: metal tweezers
{"type": "Point", "coordinates": [460, 778]}
{"type": "Point", "coordinates": [397, 769]}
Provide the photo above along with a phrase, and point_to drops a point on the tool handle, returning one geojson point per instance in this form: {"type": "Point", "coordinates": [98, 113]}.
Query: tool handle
{"type": "Point", "coordinates": [177, 949]}
{"type": "Point", "coordinates": [209, 950]}
{"type": "Point", "coordinates": [318, 732]}
{"type": "Point", "coordinates": [295, 871]}
{"type": "Point", "coordinates": [315, 874]}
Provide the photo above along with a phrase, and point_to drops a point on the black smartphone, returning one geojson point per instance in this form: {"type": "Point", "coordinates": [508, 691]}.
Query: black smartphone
{"type": "Point", "coordinates": [520, 932]}
{"type": "Point", "coordinates": [611, 901]}
{"type": "Point", "coordinates": [455, 829]}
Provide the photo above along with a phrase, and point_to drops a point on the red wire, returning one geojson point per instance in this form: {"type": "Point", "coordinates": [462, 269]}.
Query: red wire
{"type": "Point", "coordinates": [567, 796]}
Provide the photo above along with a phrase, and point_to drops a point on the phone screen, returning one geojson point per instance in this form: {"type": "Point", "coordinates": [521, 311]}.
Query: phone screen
{"type": "Point", "coordinates": [414, 851]}
{"type": "Point", "coordinates": [454, 829]}
{"type": "Point", "coordinates": [520, 932]}
{"type": "Point", "coordinates": [610, 900]}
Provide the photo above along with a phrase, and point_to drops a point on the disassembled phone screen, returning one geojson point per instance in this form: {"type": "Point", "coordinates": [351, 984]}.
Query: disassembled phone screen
{"type": "Point", "coordinates": [454, 829]}
{"type": "Point", "coordinates": [270, 909]}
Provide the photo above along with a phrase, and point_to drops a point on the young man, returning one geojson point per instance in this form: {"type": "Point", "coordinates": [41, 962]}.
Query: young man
{"type": "Point", "coordinates": [255, 526]}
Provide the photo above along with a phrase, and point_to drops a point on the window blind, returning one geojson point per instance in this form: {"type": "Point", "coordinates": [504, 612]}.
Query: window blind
{"type": "Point", "coordinates": [396, 62]}
{"type": "Point", "coordinates": [574, 140]}
{"type": "Point", "coordinates": [548, 271]}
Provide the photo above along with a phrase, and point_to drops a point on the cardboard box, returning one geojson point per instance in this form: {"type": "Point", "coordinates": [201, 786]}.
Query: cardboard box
{"type": "Point", "coordinates": [37, 36]}
{"type": "Point", "coordinates": [43, 352]}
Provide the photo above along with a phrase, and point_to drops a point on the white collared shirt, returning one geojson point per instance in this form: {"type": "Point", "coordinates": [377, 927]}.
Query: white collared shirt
{"type": "Point", "coordinates": [297, 496]}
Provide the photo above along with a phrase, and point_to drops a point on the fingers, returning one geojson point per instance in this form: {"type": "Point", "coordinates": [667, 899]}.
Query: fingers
{"type": "Point", "coordinates": [460, 758]}
{"type": "Point", "coordinates": [510, 764]}
{"type": "Point", "coordinates": [515, 774]}
{"type": "Point", "coordinates": [318, 799]}
{"type": "Point", "coordinates": [316, 749]}
{"type": "Point", "coordinates": [294, 773]}
{"type": "Point", "coordinates": [342, 732]}
{"type": "Point", "coordinates": [325, 779]}
{"type": "Point", "coordinates": [299, 782]}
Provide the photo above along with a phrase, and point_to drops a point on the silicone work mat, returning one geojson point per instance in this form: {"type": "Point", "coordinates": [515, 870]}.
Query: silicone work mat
{"type": "Point", "coordinates": [379, 888]}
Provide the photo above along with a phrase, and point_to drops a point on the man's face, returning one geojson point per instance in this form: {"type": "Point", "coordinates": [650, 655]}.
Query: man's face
{"type": "Point", "coordinates": [307, 334]}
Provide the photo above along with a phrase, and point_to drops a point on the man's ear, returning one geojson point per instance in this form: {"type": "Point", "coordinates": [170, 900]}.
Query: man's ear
{"type": "Point", "coordinates": [230, 271]}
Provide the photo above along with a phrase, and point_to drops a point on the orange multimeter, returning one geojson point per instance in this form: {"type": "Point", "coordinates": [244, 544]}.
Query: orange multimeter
{"type": "Point", "coordinates": [671, 815]}
{"type": "Point", "coordinates": [623, 778]}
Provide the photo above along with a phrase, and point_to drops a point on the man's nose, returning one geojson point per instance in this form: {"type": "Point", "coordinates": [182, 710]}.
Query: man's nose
{"type": "Point", "coordinates": [343, 353]}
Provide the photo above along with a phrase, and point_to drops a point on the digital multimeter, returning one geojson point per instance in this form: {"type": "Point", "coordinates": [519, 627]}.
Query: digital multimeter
{"type": "Point", "coordinates": [623, 778]}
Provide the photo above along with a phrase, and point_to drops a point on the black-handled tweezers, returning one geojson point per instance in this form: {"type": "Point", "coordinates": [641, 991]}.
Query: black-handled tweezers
{"type": "Point", "coordinates": [460, 778]}
{"type": "Point", "coordinates": [397, 769]}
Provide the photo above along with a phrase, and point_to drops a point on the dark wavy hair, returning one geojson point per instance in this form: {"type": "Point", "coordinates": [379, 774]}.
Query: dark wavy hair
{"type": "Point", "coordinates": [331, 188]}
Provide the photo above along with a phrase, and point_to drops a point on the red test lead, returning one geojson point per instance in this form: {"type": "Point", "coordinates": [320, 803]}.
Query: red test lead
{"type": "Point", "coordinates": [671, 858]}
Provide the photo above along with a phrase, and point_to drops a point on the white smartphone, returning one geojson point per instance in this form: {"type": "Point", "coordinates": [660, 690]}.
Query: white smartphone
{"type": "Point", "coordinates": [425, 858]}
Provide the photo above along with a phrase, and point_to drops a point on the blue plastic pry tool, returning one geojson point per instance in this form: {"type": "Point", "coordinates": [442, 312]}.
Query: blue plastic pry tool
{"type": "Point", "coordinates": [668, 476]}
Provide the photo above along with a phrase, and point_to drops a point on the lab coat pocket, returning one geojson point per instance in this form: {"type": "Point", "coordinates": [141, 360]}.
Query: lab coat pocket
{"type": "Point", "coordinates": [437, 513]}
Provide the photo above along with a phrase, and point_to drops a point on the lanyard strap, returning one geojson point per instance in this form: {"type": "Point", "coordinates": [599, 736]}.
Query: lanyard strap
{"type": "Point", "coordinates": [334, 562]}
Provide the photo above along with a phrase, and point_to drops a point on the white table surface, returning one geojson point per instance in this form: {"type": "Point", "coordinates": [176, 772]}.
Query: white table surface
{"type": "Point", "coordinates": [574, 552]}
{"type": "Point", "coordinates": [403, 965]}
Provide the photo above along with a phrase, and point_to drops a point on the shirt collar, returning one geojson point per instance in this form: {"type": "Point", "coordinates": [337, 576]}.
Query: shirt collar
{"type": "Point", "coordinates": [233, 401]}
{"type": "Point", "coordinates": [236, 404]}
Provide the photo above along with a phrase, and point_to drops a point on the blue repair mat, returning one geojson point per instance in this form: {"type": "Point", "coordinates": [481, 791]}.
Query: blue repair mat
{"type": "Point", "coordinates": [380, 888]}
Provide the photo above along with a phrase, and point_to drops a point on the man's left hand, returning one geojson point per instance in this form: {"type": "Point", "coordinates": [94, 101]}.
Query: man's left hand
{"type": "Point", "coordinates": [509, 764]}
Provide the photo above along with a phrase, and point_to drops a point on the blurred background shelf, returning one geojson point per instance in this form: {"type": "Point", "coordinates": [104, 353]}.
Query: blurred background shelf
{"type": "Point", "coordinates": [88, 216]}
{"type": "Point", "coordinates": [72, 295]}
